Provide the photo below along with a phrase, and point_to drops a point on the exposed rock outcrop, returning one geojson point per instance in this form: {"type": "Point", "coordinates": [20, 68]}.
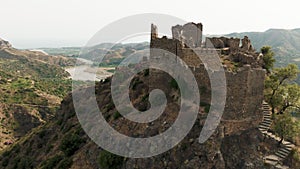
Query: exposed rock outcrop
{"type": "Point", "coordinates": [4, 44]}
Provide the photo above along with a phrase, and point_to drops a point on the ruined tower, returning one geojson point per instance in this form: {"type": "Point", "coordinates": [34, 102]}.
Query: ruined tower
{"type": "Point", "coordinates": [190, 34]}
{"type": "Point", "coordinates": [154, 32]}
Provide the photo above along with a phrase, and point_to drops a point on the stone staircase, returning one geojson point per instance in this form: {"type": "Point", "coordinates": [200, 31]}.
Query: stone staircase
{"type": "Point", "coordinates": [267, 121]}
{"type": "Point", "coordinates": [286, 148]}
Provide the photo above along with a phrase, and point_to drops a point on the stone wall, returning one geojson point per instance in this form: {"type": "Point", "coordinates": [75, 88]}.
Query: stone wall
{"type": "Point", "coordinates": [246, 44]}
{"type": "Point", "coordinates": [244, 87]}
{"type": "Point", "coordinates": [189, 34]}
{"type": "Point", "coordinates": [154, 32]}
{"type": "Point", "coordinates": [232, 43]}
{"type": "Point", "coordinates": [244, 91]}
{"type": "Point", "coordinates": [164, 43]}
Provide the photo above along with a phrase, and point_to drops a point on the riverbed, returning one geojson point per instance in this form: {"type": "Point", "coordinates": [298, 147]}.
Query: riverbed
{"type": "Point", "coordinates": [88, 72]}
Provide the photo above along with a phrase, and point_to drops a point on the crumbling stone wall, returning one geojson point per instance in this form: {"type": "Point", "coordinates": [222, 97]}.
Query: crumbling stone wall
{"type": "Point", "coordinates": [189, 34]}
{"type": "Point", "coordinates": [243, 98]}
{"type": "Point", "coordinates": [244, 87]}
{"type": "Point", "coordinates": [232, 43]}
{"type": "Point", "coordinates": [246, 44]}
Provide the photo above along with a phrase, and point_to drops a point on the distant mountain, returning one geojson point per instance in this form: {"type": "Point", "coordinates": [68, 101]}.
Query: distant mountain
{"type": "Point", "coordinates": [285, 43]}
{"type": "Point", "coordinates": [113, 53]}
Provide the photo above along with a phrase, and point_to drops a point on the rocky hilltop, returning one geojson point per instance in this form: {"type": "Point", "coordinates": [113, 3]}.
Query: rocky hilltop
{"type": "Point", "coordinates": [237, 142]}
{"type": "Point", "coordinates": [7, 51]}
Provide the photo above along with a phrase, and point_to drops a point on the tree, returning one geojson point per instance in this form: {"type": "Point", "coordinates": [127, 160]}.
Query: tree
{"type": "Point", "coordinates": [281, 92]}
{"type": "Point", "coordinates": [268, 58]}
{"type": "Point", "coordinates": [286, 127]}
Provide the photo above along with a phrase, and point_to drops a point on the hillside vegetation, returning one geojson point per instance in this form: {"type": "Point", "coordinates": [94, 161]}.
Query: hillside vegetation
{"type": "Point", "coordinates": [32, 86]}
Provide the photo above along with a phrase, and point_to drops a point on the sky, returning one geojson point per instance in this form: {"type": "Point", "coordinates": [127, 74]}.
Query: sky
{"type": "Point", "coordinates": [58, 23]}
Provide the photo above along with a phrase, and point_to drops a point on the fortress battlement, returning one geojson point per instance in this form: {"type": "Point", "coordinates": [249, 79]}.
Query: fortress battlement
{"type": "Point", "coordinates": [186, 43]}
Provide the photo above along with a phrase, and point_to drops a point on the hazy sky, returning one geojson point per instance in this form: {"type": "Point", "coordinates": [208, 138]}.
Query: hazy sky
{"type": "Point", "coordinates": [54, 23]}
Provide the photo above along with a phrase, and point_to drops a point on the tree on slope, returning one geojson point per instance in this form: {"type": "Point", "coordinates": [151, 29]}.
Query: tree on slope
{"type": "Point", "coordinates": [286, 126]}
{"type": "Point", "coordinates": [268, 58]}
{"type": "Point", "coordinates": [281, 92]}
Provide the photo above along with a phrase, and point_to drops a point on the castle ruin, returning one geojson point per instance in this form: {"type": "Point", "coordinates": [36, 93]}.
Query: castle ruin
{"type": "Point", "coordinates": [241, 63]}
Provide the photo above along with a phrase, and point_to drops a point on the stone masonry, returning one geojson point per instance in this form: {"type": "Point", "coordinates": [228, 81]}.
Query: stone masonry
{"type": "Point", "coordinates": [245, 84]}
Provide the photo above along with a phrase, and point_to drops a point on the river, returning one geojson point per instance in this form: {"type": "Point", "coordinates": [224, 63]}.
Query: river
{"type": "Point", "coordinates": [87, 72]}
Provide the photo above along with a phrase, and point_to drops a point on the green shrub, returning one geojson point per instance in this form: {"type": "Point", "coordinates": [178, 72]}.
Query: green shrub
{"type": "Point", "coordinates": [71, 143]}
{"type": "Point", "coordinates": [110, 106]}
{"type": "Point", "coordinates": [108, 160]}
{"type": "Point", "coordinates": [16, 148]}
{"type": "Point", "coordinates": [65, 163]}
{"type": "Point", "coordinates": [145, 97]}
{"type": "Point", "coordinates": [52, 162]}
{"type": "Point", "coordinates": [268, 57]}
{"type": "Point", "coordinates": [117, 115]}
{"type": "Point", "coordinates": [6, 154]}
{"type": "Point", "coordinates": [206, 106]}
{"type": "Point", "coordinates": [206, 109]}
{"type": "Point", "coordinates": [42, 134]}
{"type": "Point", "coordinates": [174, 84]}
{"type": "Point", "coordinates": [25, 164]}
{"type": "Point", "coordinates": [5, 162]}
{"type": "Point", "coordinates": [49, 147]}
{"type": "Point", "coordinates": [146, 72]}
